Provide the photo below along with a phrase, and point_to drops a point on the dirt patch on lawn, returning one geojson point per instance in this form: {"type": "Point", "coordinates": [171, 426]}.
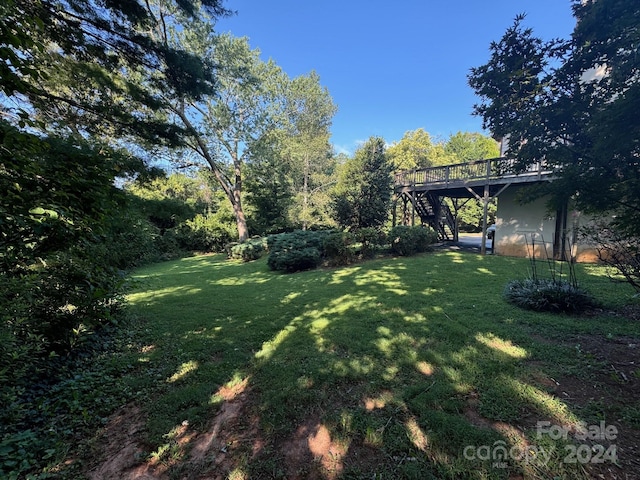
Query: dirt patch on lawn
{"type": "Point", "coordinates": [121, 450]}
{"type": "Point", "coordinates": [225, 449]}
{"type": "Point", "coordinates": [212, 454]}
{"type": "Point", "coordinates": [312, 453]}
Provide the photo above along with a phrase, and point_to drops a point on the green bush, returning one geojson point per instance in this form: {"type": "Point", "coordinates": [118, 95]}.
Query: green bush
{"type": "Point", "coordinates": [337, 248]}
{"type": "Point", "coordinates": [298, 250]}
{"type": "Point", "coordinates": [21, 354]}
{"type": "Point", "coordinates": [407, 240]}
{"type": "Point", "coordinates": [294, 260]}
{"type": "Point", "coordinates": [331, 246]}
{"type": "Point", "coordinates": [247, 251]}
{"type": "Point", "coordinates": [297, 239]}
{"type": "Point", "coordinates": [205, 233]}
{"type": "Point", "coordinates": [548, 295]}
{"type": "Point", "coordinates": [129, 240]}
{"type": "Point", "coordinates": [371, 239]}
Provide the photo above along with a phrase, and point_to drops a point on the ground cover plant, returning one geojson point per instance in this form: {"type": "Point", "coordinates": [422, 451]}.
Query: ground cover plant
{"type": "Point", "coordinates": [393, 368]}
{"type": "Point", "coordinates": [550, 285]}
{"type": "Point", "coordinates": [547, 295]}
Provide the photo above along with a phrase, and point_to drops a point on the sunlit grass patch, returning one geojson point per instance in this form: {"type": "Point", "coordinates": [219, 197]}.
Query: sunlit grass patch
{"type": "Point", "coordinates": [500, 345]}
{"type": "Point", "coordinates": [183, 370]}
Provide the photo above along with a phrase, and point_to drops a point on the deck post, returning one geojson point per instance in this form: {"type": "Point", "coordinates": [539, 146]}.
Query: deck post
{"type": "Point", "coordinates": [485, 208]}
{"type": "Point", "coordinates": [413, 208]}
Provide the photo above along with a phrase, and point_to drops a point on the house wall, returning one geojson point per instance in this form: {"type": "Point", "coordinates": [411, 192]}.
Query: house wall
{"type": "Point", "coordinates": [530, 228]}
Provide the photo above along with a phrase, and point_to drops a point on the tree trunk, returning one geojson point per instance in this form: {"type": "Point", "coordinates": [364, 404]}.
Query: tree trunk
{"type": "Point", "coordinates": [305, 192]}
{"type": "Point", "coordinates": [241, 221]}
{"type": "Point", "coordinates": [235, 195]}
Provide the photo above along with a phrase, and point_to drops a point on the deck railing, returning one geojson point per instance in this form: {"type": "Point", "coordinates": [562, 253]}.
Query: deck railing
{"type": "Point", "coordinates": [461, 173]}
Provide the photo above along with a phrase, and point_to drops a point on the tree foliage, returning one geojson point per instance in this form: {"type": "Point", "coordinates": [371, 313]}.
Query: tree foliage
{"type": "Point", "coordinates": [257, 119]}
{"type": "Point", "coordinates": [362, 196]}
{"type": "Point", "coordinates": [309, 111]}
{"type": "Point", "coordinates": [63, 242]}
{"type": "Point", "coordinates": [468, 147]}
{"type": "Point", "coordinates": [574, 105]}
{"type": "Point", "coordinates": [269, 187]}
{"type": "Point", "coordinates": [417, 149]}
{"type": "Point", "coordinates": [72, 61]}
{"type": "Point", "coordinates": [67, 233]}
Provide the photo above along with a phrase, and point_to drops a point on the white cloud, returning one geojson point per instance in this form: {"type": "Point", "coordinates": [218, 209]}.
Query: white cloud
{"type": "Point", "coordinates": [594, 74]}
{"type": "Point", "coordinates": [339, 149]}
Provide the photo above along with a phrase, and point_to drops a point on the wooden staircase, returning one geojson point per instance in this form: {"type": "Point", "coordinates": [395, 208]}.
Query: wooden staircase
{"type": "Point", "coordinates": [434, 212]}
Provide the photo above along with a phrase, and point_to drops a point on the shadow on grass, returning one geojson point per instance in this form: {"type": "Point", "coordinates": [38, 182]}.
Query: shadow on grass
{"type": "Point", "coordinates": [404, 368]}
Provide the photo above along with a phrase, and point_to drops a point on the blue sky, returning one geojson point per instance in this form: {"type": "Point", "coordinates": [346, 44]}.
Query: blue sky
{"type": "Point", "coordinates": [390, 66]}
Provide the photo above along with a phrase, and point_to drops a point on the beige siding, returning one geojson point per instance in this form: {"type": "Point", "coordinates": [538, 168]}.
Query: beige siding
{"type": "Point", "coordinates": [523, 229]}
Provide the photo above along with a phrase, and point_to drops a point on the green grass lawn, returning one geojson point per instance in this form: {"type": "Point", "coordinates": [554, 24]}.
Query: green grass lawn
{"type": "Point", "coordinates": [395, 368]}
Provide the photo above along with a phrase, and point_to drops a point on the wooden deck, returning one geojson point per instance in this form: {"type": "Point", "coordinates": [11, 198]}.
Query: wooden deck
{"type": "Point", "coordinates": [456, 180]}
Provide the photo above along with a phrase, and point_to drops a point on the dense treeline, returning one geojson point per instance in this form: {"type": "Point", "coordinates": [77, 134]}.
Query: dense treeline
{"type": "Point", "coordinates": [71, 101]}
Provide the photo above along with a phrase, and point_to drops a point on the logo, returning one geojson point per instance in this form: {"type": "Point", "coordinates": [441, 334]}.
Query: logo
{"type": "Point", "coordinates": [582, 446]}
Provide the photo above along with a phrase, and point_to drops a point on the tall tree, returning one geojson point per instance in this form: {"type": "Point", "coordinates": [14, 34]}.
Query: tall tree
{"type": "Point", "coordinates": [574, 104]}
{"type": "Point", "coordinates": [362, 197]}
{"type": "Point", "coordinates": [468, 146]}
{"type": "Point", "coordinates": [224, 130]}
{"type": "Point", "coordinates": [254, 100]}
{"type": "Point", "coordinates": [269, 186]}
{"type": "Point", "coordinates": [309, 111]}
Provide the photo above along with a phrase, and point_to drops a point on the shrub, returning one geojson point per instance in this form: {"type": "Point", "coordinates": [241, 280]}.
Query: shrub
{"type": "Point", "coordinates": [294, 260]}
{"type": "Point", "coordinates": [548, 295]}
{"type": "Point", "coordinates": [246, 251]}
{"type": "Point", "coordinates": [407, 240]}
{"type": "Point", "coordinates": [296, 240]}
{"type": "Point", "coordinates": [337, 248]}
{"type": "Point", "coordinates": [371, 239]}
{"type": "Point", "coordinates": [298, 250]}
{"type": "Point", "coordinates": [129, 241]}
{"type": "Point", "coordinates": [205, 233]}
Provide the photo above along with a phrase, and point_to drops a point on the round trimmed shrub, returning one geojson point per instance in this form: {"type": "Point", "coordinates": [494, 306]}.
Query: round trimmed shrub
{"type": "Point", "coordinates": [294, 260]}
{"type": "Point", "coordinates": [295, 251]}
{"type": "Point", "coordinates": [246, 251]}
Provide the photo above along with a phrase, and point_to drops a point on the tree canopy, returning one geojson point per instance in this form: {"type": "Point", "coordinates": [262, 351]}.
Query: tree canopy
{"type": "Point", "coordinates": [417, 149]}
{"type": "Point", "coordinates": [72, 61]}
